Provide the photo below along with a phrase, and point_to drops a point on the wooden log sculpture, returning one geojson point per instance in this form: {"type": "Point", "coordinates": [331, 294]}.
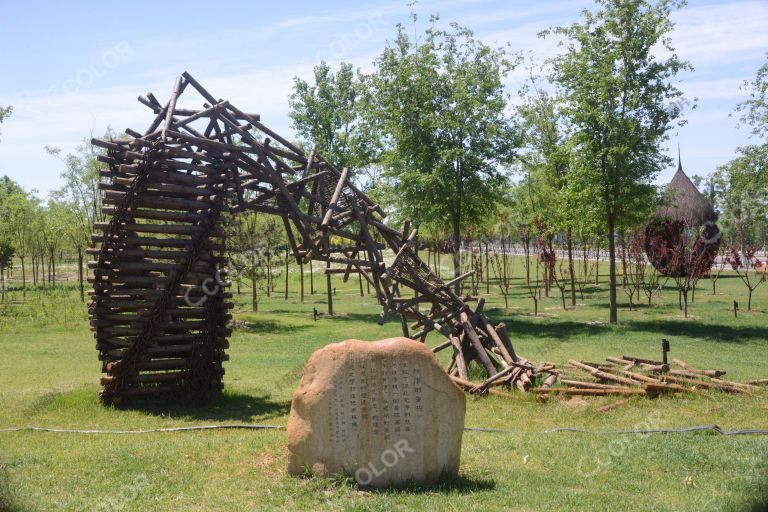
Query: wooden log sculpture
{"type": "Point", "coordinates": [159, 304]}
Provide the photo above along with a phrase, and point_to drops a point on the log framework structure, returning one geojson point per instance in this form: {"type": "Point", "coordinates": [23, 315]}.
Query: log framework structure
{"type": "Point", "coordinates": [160, 327]}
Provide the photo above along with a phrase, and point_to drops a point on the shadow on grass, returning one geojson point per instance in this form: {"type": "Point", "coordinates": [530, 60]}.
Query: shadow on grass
{"type": "Point", "coordinates": [230, 406]}
{"type": "Point", "coordinates": [692, 329]}
{"type": "Point", "coordinates": [371, 318]}
{"type": "Point", "coordinates": [8, 497]}
{"type": "Point", "coordinates": [562, 330]}
{"type": "Point", "coordinates": [546, 327]}
{"type": "Point", "coordinates": [265, 326]}
{"type": "Point", "coordinates": [450, 484]}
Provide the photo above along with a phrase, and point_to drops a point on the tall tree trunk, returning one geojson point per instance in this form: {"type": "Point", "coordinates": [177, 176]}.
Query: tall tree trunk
{"type": "Point", "coordinates": [597, 265]}
{"type": "Point", "coordinates": [286, 274]}
{"type": "Point", "coordinates": [254, 296]}
{"type": "Point", "coordinates": [614, 316]}
{"type": "Point", "coordinates": [456, 251]}
{"type": "Point", "coordinates": [328, 289]}
{"type": "Point", "coordinates": [23, 279]}
{"type": "Point", "coordinates": [569, 235]}
{"type": "Point", "coordinates": [269, 274]}
{"type": "Point", "coordinates": [487, 271]}
{"type": "Point", "coordinates": [301, 278]}
{"type": "Point", "coordinates": [311, 279]}
{"type": "Point", "coordinates": [80, 272]}
{"type": "Point", "coordinates": [52, 274]}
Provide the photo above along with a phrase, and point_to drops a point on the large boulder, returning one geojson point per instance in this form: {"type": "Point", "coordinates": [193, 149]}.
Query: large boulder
{"type": "Point", "coordinates": [384, 412]}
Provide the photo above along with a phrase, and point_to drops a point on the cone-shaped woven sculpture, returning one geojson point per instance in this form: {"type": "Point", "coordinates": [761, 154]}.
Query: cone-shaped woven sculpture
{"type": "Point", "coordinates": [687, 213]}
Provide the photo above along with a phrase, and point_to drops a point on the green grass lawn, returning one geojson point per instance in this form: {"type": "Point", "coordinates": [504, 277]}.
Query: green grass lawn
{"type": "Point", "coordinates": [49, 377]}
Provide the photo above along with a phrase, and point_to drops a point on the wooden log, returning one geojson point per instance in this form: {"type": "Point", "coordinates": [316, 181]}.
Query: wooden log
{"type": "Point", "coordinates": [590, 392]}
{"type": "Point", "coordinates": [654, 387]}
{"type": "Point", "coordinates": [602, 375]}
{"type": "Point", "coordinates": [745, 386]}
{"type": "Point", "coordinates": [757, 382]}
{"type": "Point", "coordinates": [640, 360]}
{"type": "Point", "coordinates": [474, 340]}
{"type": "Point", "coordinates": [488, 328]}
{"type": "Point", "coordinates": [657, 368]}
{"type": "Point", "coordinates": [680, 362]}
{"type": "Point", "coordinates": [470, 385]}
{"type": "Point", "coordinates": [640, 377]}
{"type": "Point", "coordinates": [170, 216]}
{"type": "Point", "coordinates": [493, 378]}
{"type": "Point", "coordinates": [703, 384]}
{"type": "Point", "coordinates": [695, 372]}
{"type": "Point", "coordinates": [690, 374]}
{"type": "Point", "coordinates": [177, 87]}
{"type": "Point", "coordinates": [461, 364]}
{"type": "Point", "coordinates": [501, 330]}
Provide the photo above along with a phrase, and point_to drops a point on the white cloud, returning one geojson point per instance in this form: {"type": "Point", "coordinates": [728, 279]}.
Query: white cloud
{"type": "Point", "coordinates": [722, 33]}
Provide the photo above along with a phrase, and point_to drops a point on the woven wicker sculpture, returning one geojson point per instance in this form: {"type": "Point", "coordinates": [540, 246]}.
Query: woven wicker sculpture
{"type": "Point", "coordinates": [688, 214]}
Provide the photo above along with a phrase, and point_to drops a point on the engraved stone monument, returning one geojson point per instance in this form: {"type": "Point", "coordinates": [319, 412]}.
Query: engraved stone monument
{"type": "Point", "coordinates": [384, 412]}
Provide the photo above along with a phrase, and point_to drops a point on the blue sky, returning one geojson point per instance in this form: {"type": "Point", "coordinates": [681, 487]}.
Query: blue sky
{"type": "Point", "coordinates": [70, 68]}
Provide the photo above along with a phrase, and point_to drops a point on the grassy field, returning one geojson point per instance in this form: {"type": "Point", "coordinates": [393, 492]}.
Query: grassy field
{"type": "Point", "coordinates": [49, 375]}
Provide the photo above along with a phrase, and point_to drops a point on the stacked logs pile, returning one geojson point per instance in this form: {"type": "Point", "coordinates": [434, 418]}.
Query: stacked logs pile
{"type": "Point", "coordinates": [617, 376]}
{"type": "Point", "coordinates": [155, 329]}
{"type": "Point", "coordinates": [628, 375]}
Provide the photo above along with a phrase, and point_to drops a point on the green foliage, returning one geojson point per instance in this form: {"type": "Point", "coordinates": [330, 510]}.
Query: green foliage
{"type": "Point", "coordinates": [6, 255]}
{"type": "Point", "coordinates": [742, 186]}
{"type": "Point", "coordinates": [327, 113]}
{"type": "Point", "coordinates": [5, 112]}
{"type": "Point", "coordinates": [742, 183]}
{"type": "Point", "coordinates": [754, 111]}
{"type": "Point", "coordinates": [441, 114]}
{"type": "Point", "coordinates": [254, 244]}
{"type": "Point", "coordinates": [80, 193]}
{"type": "Point", "coordinates": [20, 211]}
{"type": "Point", "coordinates": [620, 100]}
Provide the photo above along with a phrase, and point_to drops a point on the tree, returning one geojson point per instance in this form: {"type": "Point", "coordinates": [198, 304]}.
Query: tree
{"type": "Point", "coordinates": [742, 186]}
{"type": "Point", "coordinates": [252, 244]}
{"type": "Point", "coordinates": [20, 213]}
{"type": "Point", "coordinates": [547, 136]}
{"type": "Point", "coordinates": [441, 111]}
{"type": "Point", "coordinates": [81, 196]}
{"type": "Point", "coordinates": [687, 257]}
{"type": "Point", "coordinates": [621, 103]}
{"type": "Point", "coordinates": [745, 263]}
{"type": "Point", "coordinates": [327, 113]}
{"type": "Point", "coordinates": [633, 253]}
{"type": "Point", "coordinates": [754, 111]}
{"type": "Point", "coordinates": [53, 231]}
{"type": "Point", "coordinates": [6, 260]}
{"type": "Point", "coordinates": [5, 112]}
